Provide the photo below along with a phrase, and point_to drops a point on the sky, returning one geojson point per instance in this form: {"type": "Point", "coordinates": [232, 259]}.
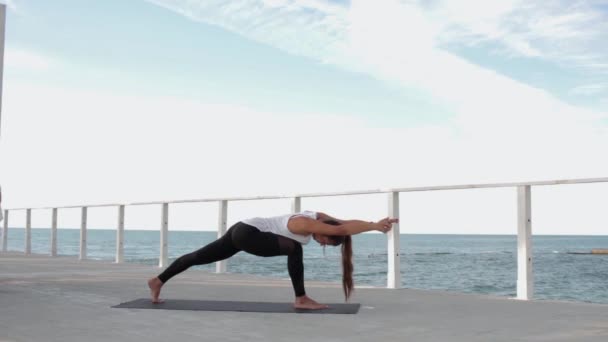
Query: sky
{"type": "Point", "coordinates": [120, 101]}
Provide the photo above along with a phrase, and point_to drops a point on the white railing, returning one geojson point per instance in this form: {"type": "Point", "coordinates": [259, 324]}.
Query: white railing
{"type": "Point", "coordinates": [525, 278]}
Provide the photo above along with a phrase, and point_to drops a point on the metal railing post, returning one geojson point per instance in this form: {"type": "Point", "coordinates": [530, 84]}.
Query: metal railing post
{"type": "Point", "coordinates": [222, 266]}
{"type": "Point", "coordinates": [120, 235]}
{"type": "Point", "coordinates": [5, 232]}
{"type": "Point", "coordinates": [393, 248]}
{"type": "Point", "coordinates": [525, 276]}
{"type": "Point", "coordinates": [83, 233]}
{"type": "Point", "coordinates": [28, 232]}
{"type": "Point", "coordinates": [296, 204]}
{"type": "Point", "coordinates": [164, 236]}
{"type": "Point", "coordinates": [54, 232]}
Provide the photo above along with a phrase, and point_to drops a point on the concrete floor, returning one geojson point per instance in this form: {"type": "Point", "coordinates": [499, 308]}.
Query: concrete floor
{"type": "Point", "coordinates": [63, 299]}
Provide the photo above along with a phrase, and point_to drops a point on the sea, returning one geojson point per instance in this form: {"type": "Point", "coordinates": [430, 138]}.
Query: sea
{"type": "Point", "coordinates": [481, 264]}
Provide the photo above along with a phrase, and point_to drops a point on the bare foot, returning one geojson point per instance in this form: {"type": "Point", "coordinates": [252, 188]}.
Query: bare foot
{"type": "Point", "coordinates": [307, 303]}
{"type": "Point", "coordinates": [155, 285]}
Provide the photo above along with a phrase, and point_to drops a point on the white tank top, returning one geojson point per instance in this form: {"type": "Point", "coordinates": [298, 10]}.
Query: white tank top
{"type": "Point", "coordinates": [278, 225]}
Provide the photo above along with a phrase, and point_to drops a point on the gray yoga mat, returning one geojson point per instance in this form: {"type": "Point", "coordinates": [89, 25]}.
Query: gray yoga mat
{"type": "Point", "coordinates": [214, 305]}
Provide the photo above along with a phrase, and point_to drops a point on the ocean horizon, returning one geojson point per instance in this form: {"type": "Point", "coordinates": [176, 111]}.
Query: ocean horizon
{"type": "Point", "coordinates": [468, 263]}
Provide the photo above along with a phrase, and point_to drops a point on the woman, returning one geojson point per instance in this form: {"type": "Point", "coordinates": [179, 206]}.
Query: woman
{"type": "Point", "coordinates": [280, 235]}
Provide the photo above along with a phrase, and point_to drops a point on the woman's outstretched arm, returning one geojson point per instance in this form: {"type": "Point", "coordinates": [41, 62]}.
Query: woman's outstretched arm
{"type": "Point", "coordinates": [304, 225]}
{"type": "Point", "coordinates": [324, 217]}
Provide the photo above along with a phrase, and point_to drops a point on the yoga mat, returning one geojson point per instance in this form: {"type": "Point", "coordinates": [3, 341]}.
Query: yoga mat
{"type": "Point", "coordinates": [214, 305]}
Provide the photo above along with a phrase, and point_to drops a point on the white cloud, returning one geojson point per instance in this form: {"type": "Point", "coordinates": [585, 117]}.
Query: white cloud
{"type": "Point", "coordinates": [135, 139]}
{"type": "Point", "coordinates": [311, 28]}
{"type": "Point", "coordinates": [316, 5]}
{"type": "Point", "coordinates": [567, 32]}
{"type": "Point", "coordinates": [471, 21]}
{"type": "Point", "coordinates": [590, 89]}
{"type": "Point", "coordinates": [493, 111]}
{"type": "Point", "coordinates": [129, 148]}
{"type": "Point", "coordinates": [27, 60]}
{"type": "Point", "coordinates": [276, 3]}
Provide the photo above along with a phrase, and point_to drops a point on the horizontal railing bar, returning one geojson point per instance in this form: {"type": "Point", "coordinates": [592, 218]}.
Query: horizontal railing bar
{"type": "Point", "coordinates": [503, 185]}
{"type": "Point", "coordinates": [69, 207]}
{"type": "Point", "coordinates": [458, 187]}
{"type": "Point", "coordinates": [213, 200]}
{"type": "Point", "coordinates": [344, 193]}
{"type": "Point", "coordinates": [347, 193]}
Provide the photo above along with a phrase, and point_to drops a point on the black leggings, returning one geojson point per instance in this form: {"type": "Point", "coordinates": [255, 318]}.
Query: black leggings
{"type": "Point", "coordinates": [243, 237]}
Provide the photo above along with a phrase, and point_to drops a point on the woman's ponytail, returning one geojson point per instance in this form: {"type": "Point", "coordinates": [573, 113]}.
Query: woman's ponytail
{"type": "Point", "coordinates": [347, 258]}
{"type": "Point", "coordinates": [347, 267]}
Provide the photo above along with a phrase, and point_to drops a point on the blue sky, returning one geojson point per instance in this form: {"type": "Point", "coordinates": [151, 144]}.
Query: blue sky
{"type": "Point", "coordinates": [154, 51]}
{"type": "Point", "coordinates": [167, 99]}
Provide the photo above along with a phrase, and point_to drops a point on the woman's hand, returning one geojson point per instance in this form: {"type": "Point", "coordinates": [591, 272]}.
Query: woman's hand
{"type": "Point", "coordinates": [386, 224]}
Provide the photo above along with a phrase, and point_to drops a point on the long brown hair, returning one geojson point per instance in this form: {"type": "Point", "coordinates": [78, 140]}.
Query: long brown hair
{"type": "Point", "coordinates": [347, 267]}
{"type": "Point", "coordinates": [347, 259]}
